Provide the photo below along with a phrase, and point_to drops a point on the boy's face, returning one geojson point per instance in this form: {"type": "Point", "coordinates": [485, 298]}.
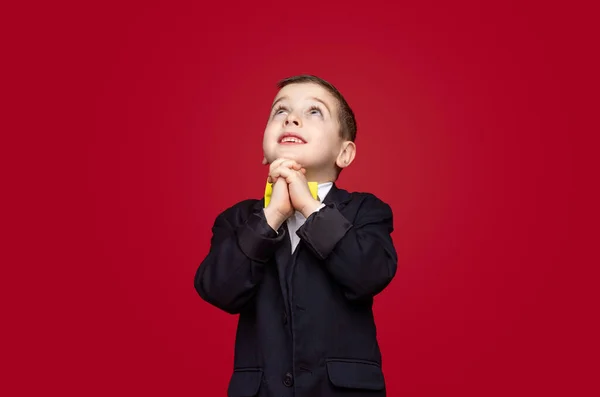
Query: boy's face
{"type": "Point", "coordinates": [303, 126]}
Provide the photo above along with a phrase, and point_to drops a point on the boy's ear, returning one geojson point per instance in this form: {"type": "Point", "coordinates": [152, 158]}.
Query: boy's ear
{"type": "Point", "coordinates": [347, 154]}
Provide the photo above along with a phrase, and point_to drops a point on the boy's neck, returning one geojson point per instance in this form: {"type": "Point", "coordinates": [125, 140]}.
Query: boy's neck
{"type": "Point", "coordinates": [320, 177]}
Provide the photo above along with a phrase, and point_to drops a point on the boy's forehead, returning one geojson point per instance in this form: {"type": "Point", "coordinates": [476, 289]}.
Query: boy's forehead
{"type": "Point", "coordinates": [301, 91]}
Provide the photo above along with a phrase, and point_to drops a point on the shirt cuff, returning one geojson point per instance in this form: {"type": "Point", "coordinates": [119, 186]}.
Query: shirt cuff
{"type": "Point", "coordinates": [319, 208]}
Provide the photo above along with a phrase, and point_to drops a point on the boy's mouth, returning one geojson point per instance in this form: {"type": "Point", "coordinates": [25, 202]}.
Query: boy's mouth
{"type": "Point", "coordinates": [290, 139]}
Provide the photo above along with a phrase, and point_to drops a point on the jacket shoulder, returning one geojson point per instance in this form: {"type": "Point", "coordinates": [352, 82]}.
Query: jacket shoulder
{"type": "Point", "coordinates": [366, 198]}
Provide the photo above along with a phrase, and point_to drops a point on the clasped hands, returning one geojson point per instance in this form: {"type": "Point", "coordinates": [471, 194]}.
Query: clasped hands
{"type": "Point", "coordinates": [290, 192]}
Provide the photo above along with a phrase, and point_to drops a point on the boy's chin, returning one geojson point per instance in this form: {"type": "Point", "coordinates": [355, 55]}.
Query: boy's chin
{"type": "Point", "coordinates": [288, 154]}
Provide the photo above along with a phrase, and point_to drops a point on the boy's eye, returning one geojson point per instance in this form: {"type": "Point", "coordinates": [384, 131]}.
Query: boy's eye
{"type": "Point", "coordinates": [314, 110]}
{"type": "Point", "coordinates": [280, 109]}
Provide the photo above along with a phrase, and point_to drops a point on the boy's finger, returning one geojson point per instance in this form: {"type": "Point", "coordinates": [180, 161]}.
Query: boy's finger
{"type": "Point", "coordinates": [282, 172]}
{"type": "Point", "coordinates": [286, 173]}
{"type": "Point", "coordinates": [287, 164]}
{"type": "Point", "coordinates": [290, 164]}
{"type": "Point", "coordinates": [290, 175]}
{"type": "Point", "coordinates": [277, 172]}
{"type": "Point", "coordinates": [276, 163]}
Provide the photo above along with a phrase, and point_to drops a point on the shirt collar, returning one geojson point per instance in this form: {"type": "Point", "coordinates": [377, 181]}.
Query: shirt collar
{"type": "Point", "coordinates": [323, 189]}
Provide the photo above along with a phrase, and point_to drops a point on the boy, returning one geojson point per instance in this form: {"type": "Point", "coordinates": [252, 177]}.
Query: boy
{"type": "Point", "coordinates": [302, 265]}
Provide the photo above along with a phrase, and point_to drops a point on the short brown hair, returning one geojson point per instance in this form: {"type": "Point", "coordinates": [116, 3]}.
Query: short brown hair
{"type": "Point", "coordinates": [346, 115]}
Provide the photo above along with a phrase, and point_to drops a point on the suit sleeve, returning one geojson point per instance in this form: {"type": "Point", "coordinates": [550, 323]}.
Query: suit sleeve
{"type": "Point", "coordinates": [227, 278]}
{"type": "Point", "coordinates": [361, 255]}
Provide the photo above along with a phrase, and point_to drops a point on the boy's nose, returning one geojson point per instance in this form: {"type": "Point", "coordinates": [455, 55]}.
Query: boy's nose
{"type": "Point", "coordinates": [291, 119]}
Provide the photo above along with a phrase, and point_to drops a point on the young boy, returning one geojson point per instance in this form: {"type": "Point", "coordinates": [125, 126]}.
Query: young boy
{"type": "Point", "coordinates": [302, 265]}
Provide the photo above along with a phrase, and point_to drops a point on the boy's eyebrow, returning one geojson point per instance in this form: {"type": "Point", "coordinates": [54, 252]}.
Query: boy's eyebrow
{"type": "Point", "coordinates": [323, 102]}
{"type": "Point", "coordinates": [314, 98]}
{"type": "Point", "coordinates": [277, 101]}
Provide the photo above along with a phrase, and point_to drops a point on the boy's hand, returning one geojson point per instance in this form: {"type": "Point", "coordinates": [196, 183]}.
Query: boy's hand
{"type": "Point", "coordinates": [280, 207]}
{"type": "Point", "coordinates": [281, 162]}
{"type": "Point", "coordinates": [299, 192]}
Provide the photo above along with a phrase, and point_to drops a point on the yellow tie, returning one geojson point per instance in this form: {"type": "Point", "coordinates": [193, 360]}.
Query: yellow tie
{"type": "Point", "coordinates": [313, 186]}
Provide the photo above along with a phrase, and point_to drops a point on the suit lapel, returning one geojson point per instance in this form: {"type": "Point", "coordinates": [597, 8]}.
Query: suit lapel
{"type": "Point", "coordinates": [282, 257]}
{"type": "Point", "coordinates": [336, 196]}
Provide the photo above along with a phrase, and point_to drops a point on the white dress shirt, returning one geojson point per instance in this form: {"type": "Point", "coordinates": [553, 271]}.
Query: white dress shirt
{"type": "Point", "coordinates": [297, 219]}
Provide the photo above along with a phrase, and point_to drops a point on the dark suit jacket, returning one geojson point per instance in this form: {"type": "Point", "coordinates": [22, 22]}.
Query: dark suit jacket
{"type": "Point", "coordinates": [306, 324]}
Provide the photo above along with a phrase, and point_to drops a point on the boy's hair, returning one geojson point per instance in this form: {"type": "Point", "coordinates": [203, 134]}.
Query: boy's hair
{"type": "Point", "coordinates": [346, 115]}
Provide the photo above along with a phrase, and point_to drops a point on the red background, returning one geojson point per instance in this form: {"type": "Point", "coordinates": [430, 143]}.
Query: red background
{"type": "Point", "coordinates": [131, 126]}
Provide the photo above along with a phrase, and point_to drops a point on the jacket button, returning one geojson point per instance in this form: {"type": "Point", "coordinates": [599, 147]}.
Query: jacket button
{"type": "Point", "coordinates": [288, 380]}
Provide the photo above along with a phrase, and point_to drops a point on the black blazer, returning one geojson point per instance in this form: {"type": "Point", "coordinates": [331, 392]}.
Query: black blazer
{"type": "Point", "coordinates": [306, 324]}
